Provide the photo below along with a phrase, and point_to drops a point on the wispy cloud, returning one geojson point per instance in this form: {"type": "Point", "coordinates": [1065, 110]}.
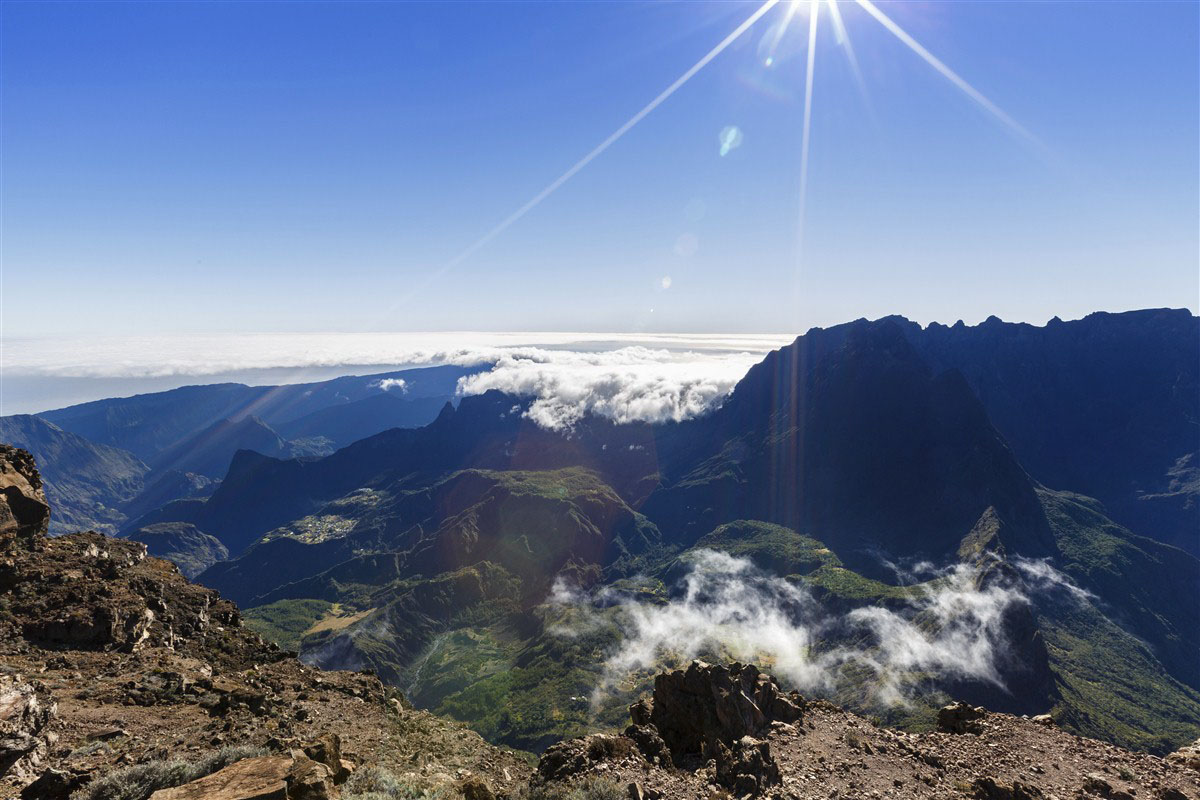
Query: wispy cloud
{"type": "Point", "coordinates": [949, 628]}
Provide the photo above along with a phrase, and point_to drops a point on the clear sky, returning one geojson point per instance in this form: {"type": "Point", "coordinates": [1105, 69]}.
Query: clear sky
{"type": "Point", "coordinates": [191, 167]}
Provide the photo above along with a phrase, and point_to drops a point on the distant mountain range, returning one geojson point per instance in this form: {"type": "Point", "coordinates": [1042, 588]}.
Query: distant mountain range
{"type": "Point", "coordinates": [1058, 465]}
{"type": "Point", "coordinates": [109, 461]}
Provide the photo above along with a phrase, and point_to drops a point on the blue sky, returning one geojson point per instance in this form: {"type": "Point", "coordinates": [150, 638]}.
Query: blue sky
{"type": "Point", "coordinates": [257, 167]}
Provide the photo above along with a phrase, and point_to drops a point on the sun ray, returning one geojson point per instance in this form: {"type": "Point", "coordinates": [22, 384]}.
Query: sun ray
{"type": "Point", "coordinates": [843, 39]}
{"type": "Point", "coordinates": [813, 7]}
{"type": "Point", "coordinates": [557, 183]}
{"type": "Point", "coordinates": [946, 72]}
{"type": "Point", "coordinates": [780, 30]}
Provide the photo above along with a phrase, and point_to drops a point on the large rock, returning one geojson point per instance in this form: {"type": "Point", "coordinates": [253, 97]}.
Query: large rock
{"type": "Point", "coordinates": [709, 703]}
{"type": "Point", "coordinates": [24, 513]}
{"type": "Point", "coordinates": [960, 718]}
{"type": "Point", "coordinates": [747, 767]}
{"type": "Point", "coordinates": [294, 777]}
{"type": "Point", "coordinates": [1187, 756]}
{"type": "Point", "coordinates": [575, 756]}
{"type": "Point", "coordinates": [262, 778]}
{"type": "Point", "coordinates": [26, 714]}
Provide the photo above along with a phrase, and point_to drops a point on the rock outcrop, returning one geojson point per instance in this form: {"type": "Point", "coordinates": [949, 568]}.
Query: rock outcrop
{"type": "Point", "coordinates": [732, 732]}
{"type": "Point", "coordinates": [1187, 756]}
{"type": "Point", "coordinates": [289, 777]}
{"type": "Point", "coordinates": [960, 718]}
{"type": "Point", "coordinates": [694, 708]}
{"type": "Point", "coordinates": [24, 513]}
{"type": "Point", "coordinates": [705, 714]}
{"type": "Point", "coordinates": [26, 714]}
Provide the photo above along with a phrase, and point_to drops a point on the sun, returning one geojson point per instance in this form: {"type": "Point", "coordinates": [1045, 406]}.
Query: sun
{"type": "Point", "coordinates": [790, 10]}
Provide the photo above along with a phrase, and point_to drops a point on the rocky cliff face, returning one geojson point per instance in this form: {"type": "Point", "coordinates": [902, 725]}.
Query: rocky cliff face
{"type": "Point", "coordinates": [24, 513]}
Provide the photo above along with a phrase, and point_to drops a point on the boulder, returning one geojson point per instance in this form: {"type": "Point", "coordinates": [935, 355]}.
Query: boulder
{"type": "Point", "coordinates": [475, 788]}
{"type": "Point", "coordinates": [574, 756]}
{"type": "Point", "coordinates": [263, 778]}
{"type": "Point", "coordinates": [327, 750]}
{"type": "Point", "coordinates": [26, 714]}
{"type": "Point", "coordinates": [54, 784]}
{"type": "Point", "coordinates": [709, 703]}
{"type": "Point", "coordinates": [310, 780]}
{"type": "Point", "coordinates": [747, 767]}
{"type": "Point", "coordinates": [24, 512]}
{"type": "Point", "coordinates": [987, 788]}
{"type": "Point", "coordinates": [1187, 756]}
{"type": "Point", "coordinates": [650, 744]}
{"type": "Point", "coordinates": [960, 718]}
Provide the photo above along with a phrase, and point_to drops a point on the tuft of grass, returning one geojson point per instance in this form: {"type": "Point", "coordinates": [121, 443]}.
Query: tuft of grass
{"type": "Point", "coordinates": [592, 788]}
{"type": "Point", "coordinates": [375, 783]}
{"type": "Point", "coordinates": [140, 781]}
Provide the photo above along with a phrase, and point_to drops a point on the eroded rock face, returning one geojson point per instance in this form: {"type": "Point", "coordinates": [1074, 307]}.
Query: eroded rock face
{"type": "Point", "coordinates": [707, 703]}
{"type": "Point", "coordinates": [26, 714]}
{"type": "Point", "coordinates": [24, 513]}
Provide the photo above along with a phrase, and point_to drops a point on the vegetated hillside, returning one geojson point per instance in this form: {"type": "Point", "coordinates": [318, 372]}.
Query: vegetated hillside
{"type": "Point", "coordinates": [150, 688]}
{"type": "Point", "coordinates": [86, 482]}
{"type": "Point", "coordinates": [430, 555]}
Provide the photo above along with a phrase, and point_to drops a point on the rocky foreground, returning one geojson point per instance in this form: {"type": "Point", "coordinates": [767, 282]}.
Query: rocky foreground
{"type": "Point", "coordinates": [120, 680]}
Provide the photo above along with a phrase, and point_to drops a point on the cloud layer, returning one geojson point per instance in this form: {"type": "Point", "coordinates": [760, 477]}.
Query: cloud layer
{"type": "Point", "coordinates": [624, 377]}
{"type": "Point", "coordinates": [629, 384]}
{"type": "Point", "coordinates": [949, 628]}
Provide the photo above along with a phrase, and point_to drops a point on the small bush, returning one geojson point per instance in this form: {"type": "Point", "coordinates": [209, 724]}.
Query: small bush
{"type": "Point", "coordinates": [142, 780]}
{"type": "Point", "coordinates": [374, 783]}
{"type": "Point", "coordinates": [593, 788]}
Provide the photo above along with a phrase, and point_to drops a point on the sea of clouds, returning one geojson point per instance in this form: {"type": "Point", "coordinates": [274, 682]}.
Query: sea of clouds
{"type": "Point", "coordinates": [624, 377]}
{"type": "Point", "coordinates": [950, 627]}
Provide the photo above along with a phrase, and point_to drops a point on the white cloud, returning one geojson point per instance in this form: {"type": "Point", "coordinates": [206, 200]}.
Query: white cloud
{"type": "Point", "coordinates": [950, 628]}
{"type": "Point", "coordinates": [624, 377]}
{"type": "Point", "coordinates": [215, 354]}
{"type": "Point", "coordinates": [629, 384]}
{"type": "Point", "coordinates": [388, 384]}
